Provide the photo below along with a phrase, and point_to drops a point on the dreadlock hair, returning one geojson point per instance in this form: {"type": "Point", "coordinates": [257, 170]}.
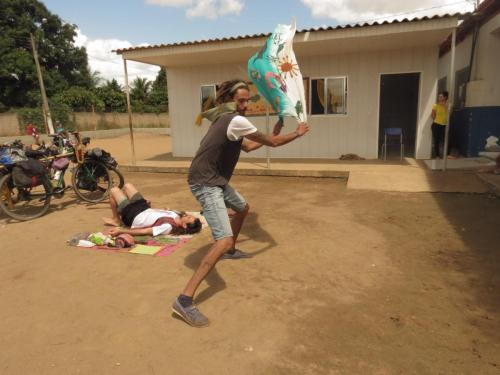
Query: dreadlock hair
{"type": "Point", "coordinates": [225, 92]}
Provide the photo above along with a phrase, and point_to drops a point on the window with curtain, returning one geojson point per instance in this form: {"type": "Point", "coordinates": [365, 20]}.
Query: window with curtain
{"type": "Point", "coordinates": [328, 96]}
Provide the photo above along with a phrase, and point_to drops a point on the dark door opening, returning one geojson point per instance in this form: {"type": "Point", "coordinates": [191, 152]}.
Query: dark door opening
{"type": "Point", "coordinates": [399, 109]}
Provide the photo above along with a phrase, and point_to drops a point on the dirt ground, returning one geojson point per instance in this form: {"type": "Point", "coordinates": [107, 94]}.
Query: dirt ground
{"type": "Point", "coordinates": [341, 282]}
{"type": "Point", "coordinates": [147, 146]}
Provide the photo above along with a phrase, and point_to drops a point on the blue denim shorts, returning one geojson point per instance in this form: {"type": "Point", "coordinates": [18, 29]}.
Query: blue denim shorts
{"type": "Point", "coordinates": [214, 201]}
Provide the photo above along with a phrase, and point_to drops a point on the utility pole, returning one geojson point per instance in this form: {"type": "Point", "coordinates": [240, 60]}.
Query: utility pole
{"type": "Point", "coordinates": [129, 110]}
{"type": "Point", "coordinates": [49, 128]}
{"type": "Point", "coordinates": [451, 91]}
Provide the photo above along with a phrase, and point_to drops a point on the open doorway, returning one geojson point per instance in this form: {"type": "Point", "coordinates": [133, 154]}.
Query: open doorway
{"type": "Point", "coordinates": [399, 109]}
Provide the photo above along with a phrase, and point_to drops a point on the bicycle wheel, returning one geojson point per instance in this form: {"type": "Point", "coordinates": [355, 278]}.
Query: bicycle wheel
{"type": "Point", "coordinates": [117, 179]}
{"type": "Point", "coordinates": [91, 181]}
{"type": "Point", "coordinates": [24, 203]}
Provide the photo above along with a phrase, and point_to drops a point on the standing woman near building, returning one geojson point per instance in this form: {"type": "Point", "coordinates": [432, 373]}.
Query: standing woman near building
{"type": "Point", "coordinates": [440, 120]}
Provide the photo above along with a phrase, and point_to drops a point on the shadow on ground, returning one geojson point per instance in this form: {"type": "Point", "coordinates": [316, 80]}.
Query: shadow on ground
{"type": "Point", "coordinates": [251, 229]}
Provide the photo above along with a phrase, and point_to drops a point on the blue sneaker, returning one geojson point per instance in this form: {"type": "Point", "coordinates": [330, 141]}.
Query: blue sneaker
{"type": "Point", "coordinates": [191, 315]}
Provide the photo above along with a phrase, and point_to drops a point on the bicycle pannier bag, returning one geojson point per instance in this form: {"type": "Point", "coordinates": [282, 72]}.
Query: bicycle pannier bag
{"type": "Point", "coordinates": [28, 173]}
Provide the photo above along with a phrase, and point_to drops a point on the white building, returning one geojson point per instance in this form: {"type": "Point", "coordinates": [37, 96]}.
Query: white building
{"type": "Point", "coordinates": [377, 76]}
{"type": "Point", "coordinates": [476, 96]}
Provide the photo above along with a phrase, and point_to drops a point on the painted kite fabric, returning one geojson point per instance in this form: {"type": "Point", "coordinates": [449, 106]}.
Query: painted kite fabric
{"type": "Point", "coordinates": [275, 73]}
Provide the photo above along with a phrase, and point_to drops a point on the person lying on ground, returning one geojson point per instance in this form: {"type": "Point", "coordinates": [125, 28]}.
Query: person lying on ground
{"type": "Point", "coordinates": [129, 207]}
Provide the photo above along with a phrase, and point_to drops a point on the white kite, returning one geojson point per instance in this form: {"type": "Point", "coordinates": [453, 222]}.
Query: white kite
{"type": "Point", "coordinates": [276, 74]}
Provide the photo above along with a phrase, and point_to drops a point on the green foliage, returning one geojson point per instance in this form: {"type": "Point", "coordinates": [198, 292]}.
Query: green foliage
{"type": "Point", "coordinates": [112, 97]}
{"type": "Point", "coordinates": [159, 92]}
{"type": "Point", "coordinates": [62, 63]}
{"type": "Point", "coordinates": [69, 82]}
{"type": "Point", "coordinates": [113, 85]}
{"type": "Point", "coordinates": [95, 78]}
{"type": "Point", "coordinates": [80, 99]}
{"type": "Point", "coordinates": [150, 97]}
{"type": "Point", "coordinates": [60, 112]}
{"type": "Point", "coordinates": [33, 115]}
{"type": "Point", "coordinates": [139, 90]}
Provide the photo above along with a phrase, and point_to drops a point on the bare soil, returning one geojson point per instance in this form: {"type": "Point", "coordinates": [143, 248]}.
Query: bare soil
{"type": "Point", "coordinates": [147, 146]}
{"type": "Point", "coordinates": [341, 282]}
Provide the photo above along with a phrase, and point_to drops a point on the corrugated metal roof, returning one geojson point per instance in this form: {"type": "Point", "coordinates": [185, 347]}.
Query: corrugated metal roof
{"type": "Point", "coordinates": [484, 12]}
{"type": "Point", "coordinates": [314, 29]}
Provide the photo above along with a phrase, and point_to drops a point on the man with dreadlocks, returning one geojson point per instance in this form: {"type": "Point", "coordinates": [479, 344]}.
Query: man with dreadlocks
{"type": "Point", "coordinates": [209, 175]}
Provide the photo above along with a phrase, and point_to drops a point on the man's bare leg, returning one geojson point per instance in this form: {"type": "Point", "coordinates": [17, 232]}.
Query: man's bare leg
{"type": "Point", "coordinates": [183, 305]}
{"type": "Point", "coordinates": [209, 260]}
{"type": "Point", "coordinates": [129, 190]}
{"type": "Point", "coordinates": [115, 195]}
{"type": "Point", "coordinates": [237, 222]}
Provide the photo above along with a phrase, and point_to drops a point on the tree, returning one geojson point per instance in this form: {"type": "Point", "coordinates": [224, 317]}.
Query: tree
{"type": "Point", "coordinates": [95, 78]}
{"type": "Point", "coordinates": [112, 96]}
{"type": "Point", "coordinates": [139, 90]}
{"type": "Point", "coordinates": [63, 64]}
{"type": "Point", "coordinates": [159, 92]}
{"type": "Point", "coordinates": [113, 85]}
{"type": "Point", "coordinates": [80, 99]}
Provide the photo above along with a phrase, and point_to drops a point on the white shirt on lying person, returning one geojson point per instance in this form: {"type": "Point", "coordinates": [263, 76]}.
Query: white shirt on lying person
{"type": "Point", "coordinates": [150, 216]}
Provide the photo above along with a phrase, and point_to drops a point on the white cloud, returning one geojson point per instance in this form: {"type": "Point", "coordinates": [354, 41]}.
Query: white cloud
{"type": "Point", "coordinates": [203, 8]}
{"type": "Point", "coordinates": [353, 11]}
{"type": "Point", "coordinates": [109, 64]}
{"type": "Point", "coordinates": [170, 3]}
{"type": "Point", "coordinates": [231, 7]}
{"type": "Point", "coordinates": [211, 9]}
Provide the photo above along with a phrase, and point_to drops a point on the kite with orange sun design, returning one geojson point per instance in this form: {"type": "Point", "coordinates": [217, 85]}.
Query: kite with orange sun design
{"type": "Point", "coordinates": [276, 74]}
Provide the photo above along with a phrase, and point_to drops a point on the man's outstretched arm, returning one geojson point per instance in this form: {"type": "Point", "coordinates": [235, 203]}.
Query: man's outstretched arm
{"type": "Point", "coordinates": [257, 139]}
{"type": "Point", "coordinates": [249, 145]}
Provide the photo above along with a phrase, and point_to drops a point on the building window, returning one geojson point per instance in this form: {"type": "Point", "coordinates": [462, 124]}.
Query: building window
{"type": "Point", "coordinates": [328, 96]}
{"type": "Point", "coordinates": [207, 97]}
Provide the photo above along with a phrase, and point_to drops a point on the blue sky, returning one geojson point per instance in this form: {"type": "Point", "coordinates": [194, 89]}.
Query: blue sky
{"type": "Point", "coordinates": [105, 25]}
{"type": "Point", "coordinates": [138, 22]}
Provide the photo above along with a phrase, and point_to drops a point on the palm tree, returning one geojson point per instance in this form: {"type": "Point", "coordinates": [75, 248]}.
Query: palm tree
{"type": "Point", "coordinates": [95, 78]}
{"type": "Point", "coordinates": [113, 85]}
{"type": "Point", "coordinates": [140, 89]}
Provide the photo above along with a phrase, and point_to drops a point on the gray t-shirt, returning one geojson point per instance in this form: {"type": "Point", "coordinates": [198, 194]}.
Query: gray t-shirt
{"type": "Point", "coordinates": [216, 158]}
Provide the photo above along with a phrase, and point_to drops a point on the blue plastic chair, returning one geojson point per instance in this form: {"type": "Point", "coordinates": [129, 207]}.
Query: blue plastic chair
{"type": "Point", "coordinates": [390, 139]}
